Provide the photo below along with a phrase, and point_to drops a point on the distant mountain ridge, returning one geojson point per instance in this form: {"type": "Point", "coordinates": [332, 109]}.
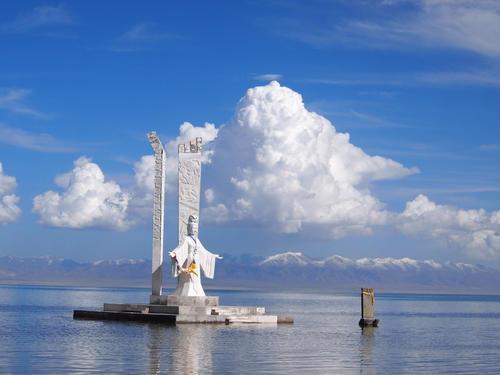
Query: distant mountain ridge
{"type": "Point", "coordinates": [283, 270]}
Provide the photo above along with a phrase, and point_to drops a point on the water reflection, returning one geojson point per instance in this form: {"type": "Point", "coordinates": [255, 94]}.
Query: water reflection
{"type": "Point", "coordinates": [184, 349]}
{"type": "Point", "coordinates": [366, 347]}
{"type": "Point", "coordinates": [193, 349]}
{"type": "Point", "coordinates": [156, 334]}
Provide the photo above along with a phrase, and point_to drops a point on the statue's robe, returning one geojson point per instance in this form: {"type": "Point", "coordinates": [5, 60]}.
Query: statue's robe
{"type": "Point", "coordinates": [191, 250]}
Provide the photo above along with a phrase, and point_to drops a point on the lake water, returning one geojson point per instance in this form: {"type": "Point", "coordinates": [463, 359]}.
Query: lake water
{"type": "Point", "coordinates": [424, 334]}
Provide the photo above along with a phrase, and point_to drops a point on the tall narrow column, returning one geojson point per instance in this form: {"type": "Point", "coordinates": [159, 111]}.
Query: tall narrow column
{"type": "Point", "coordinates": [158, 208]}
{"type": "Point", "coordinates": [189, 183]}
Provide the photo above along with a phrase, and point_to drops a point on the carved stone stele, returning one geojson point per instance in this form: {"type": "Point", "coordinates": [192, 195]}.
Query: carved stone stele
{"type": "Point", "coordinates": [189, 184]}
{"type": "Point", "coordinates": [158, 213]}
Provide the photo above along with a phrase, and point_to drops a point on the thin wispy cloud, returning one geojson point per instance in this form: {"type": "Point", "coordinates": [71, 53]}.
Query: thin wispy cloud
{"type": "Point", "coordinates": [486, 77]}
{"type": "Point", "coordinates": [472, 77]}
{"type": "Point", "coordinates": [350, 82]}
{"type": "Point", "coordinates": [13, 100]}
{"type": "Point", "coordinates": [490, 147]}
{"type": "Point", "coordinates": [469, 25]}
{"type": "Point", "coordinates": [379, 94]}
{"type": "Point", "coordinates": [141, 36]}
{"type": "Point", "coordinates": [40, 17]}
{"type": "Point", "coordinates": [41, 142]}
{"type": "Point", "coordinates": [268, 77]}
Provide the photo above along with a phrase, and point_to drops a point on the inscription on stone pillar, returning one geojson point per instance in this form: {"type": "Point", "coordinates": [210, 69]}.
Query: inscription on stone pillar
{"type": "Point", "coordinates": [158, 213]}
{"type": "Point", "coordinates": [189, 183]}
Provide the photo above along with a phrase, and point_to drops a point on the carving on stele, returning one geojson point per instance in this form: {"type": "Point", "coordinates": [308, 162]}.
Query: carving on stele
{"type": "Point", "coordinates": [189, 184]}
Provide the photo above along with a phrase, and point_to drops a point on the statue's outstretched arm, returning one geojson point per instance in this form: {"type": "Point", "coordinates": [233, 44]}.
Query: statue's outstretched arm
{"type": "Point", "coordinates": [200, 245]}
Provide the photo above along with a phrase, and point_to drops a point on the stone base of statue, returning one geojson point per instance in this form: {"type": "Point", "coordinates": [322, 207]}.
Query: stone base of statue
{"type": "Point", "coordinates": [173, 310]}
{"type": "Point", "coordinates": [184, 300]}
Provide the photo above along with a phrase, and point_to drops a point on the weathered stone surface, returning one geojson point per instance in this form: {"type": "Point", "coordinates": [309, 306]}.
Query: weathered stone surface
{"type": "Point", "coordinates": [367, 303]}
{"type": "Point", "coordinates": [368, 308]}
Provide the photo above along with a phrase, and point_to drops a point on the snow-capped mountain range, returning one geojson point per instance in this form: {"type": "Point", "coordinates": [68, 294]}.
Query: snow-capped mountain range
{"type": "Point", "coordinates": [299, 259]}
{"type": "Point", "coordinates": [284, 270]}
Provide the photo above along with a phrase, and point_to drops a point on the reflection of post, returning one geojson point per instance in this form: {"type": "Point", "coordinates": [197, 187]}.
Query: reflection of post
{"type": "Point", "coordinates": [368, 308]}
{"type": "Point", "coordinates": [158, 208]}
{"type": "Point", "coordinates": [189, 183]}
{"type": "Point", "coordinates": [367, 342]}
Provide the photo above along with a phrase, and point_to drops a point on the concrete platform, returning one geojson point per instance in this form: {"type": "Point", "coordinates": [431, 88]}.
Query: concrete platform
{"type": "Point", "coordinates": [183, 310]}
{"type": "Point", "coordinates": [124, 316]}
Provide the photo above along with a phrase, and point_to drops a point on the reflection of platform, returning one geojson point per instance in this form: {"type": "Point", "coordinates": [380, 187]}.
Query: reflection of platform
{"type": "Point", "coordinates": [183, 310]}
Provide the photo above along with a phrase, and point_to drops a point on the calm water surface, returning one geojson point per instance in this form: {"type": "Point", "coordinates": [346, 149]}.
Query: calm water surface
{"type": "Point", "coordinates": [424, 334]}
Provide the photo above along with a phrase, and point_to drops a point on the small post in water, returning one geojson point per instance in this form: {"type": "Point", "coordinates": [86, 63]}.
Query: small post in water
{"type": "Point", "coordinates": [368, 308]}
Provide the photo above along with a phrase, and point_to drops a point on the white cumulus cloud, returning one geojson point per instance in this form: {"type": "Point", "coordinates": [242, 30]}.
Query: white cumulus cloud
{"type": "Point", "coordinates": [9, 211]}
{"type": "Point", "coordinates": [87, 200]}
{"type": "Point", "coordinates": [281, 164]}
{"type": "Point", "coordinates": [475, 230]}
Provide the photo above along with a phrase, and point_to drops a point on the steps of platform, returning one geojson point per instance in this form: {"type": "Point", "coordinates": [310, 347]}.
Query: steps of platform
{"type": "Point", "coordinates": [238, 310]}
{"type": "Point", "coordinates": [184, 300]}
{"type": "Point", "coordinates": [227, 319]}
{"type": "Point", "coordinates": [177, 310]}
{"type": "Point", "coordinates": [172, 319]}
{"type": "Point", "coordinates": [184, 310]}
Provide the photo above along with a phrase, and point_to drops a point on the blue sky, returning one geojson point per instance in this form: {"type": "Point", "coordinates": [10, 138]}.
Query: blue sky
{"type": "Point", "coordinates": [412, 81]}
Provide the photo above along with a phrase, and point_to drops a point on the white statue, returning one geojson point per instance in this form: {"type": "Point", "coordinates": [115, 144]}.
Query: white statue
{"type": "Point", "coordinates": [188, 259]}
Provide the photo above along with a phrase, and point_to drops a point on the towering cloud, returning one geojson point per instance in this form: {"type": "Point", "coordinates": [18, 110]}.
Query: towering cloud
{"type": "Point", "coordinates": [87, 200]}
{"type": "Point", "coordinates": [473, 230]}
{"type": "Point", "coordinates": [9, 211]}
{"type": "Point", "coordinates": [289, 167]}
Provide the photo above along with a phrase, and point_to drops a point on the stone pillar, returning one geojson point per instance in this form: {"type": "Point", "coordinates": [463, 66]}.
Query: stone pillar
{"type": "Point", "coordinates": [368, 308]}
{"type": "Point", "coordinates": [189, 183]}
{"type": "Point", "coordinates": [158, 213]}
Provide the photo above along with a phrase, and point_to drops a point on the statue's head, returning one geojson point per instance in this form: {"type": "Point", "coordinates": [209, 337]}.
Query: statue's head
{"type": "Point", "coordinates": [192, 225]}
